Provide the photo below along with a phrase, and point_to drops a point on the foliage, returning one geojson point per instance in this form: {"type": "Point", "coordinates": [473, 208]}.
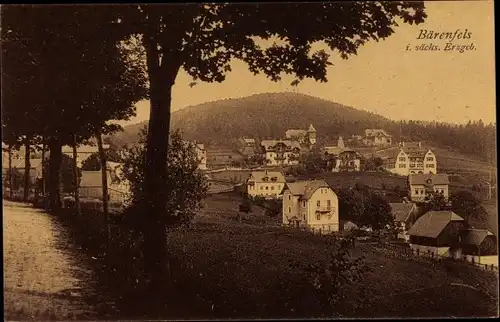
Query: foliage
{"type": "Point", "coordinates": [372, 163]}
{"type": "Point", "coordinates": [187, 187]}
{"type": "Point", "coordinates": [245, 206]}
{"type": "Point", "coordinates": [273, 207]}
{"type": "Point", "coordinates": [330, 280]}
{"type": "Point", "coordinates": [256, 159]}
{"type": "Point", "coordinates": [313, 163]}
{"type": "Point", "coordinates": [467, 206]}
{"type": "Point", "coordinates": [351, 206]}
{"type": "Point", "coordinates": [364, 208]}
{"type": "Point", "coordinates": [376, 213]}
{"type": "Point", "coordinates": [93, 162]}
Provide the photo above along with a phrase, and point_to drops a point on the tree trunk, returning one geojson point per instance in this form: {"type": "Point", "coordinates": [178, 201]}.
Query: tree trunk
{"type": "Point", "coordinates": [104, 180]}
{"type": "Point", "coordinates": [27, 168]}
{"type": "Point", "coordinates": [54, 180]}
{"type": "Point", "coordinates": [162, 78]}
{"type": "Point", "coordinates": [11, 185]}
{"type": "Point", "coordinates": [43, 167]}
{"type": "Point", "coordinates": [76, 178]}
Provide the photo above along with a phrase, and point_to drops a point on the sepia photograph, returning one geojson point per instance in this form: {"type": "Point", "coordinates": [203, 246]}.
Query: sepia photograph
{"type": "Point", "coordinates": [249, 160]}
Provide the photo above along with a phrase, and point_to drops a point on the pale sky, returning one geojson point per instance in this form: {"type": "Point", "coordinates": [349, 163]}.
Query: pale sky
{"type": "Point", "coordinates": [384, 78]}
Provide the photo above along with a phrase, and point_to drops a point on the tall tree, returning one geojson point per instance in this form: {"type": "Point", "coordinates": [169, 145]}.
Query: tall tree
{"type": "Point", "coordinates": [204, 38]}
{"type": "Point", "coordinates": [97, 78]}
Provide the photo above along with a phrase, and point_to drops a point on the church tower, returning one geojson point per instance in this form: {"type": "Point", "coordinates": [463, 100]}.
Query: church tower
{"type": "Point", "coordinates": [311, 133]}
{"type": "Point", "coordinates": [340, 143]}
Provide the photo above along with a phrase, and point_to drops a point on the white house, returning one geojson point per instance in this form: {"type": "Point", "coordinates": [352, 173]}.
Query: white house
{"type": "Point", "coordinates": [377, 137]}
{"type": "Point", "coordinates": [281, 152]}
{"type": "Point", "coordinates": [302, 136]}
{"type": "Point", "coordinates": [343, 159]}
{"type": "Point", "coordinates": [267, 184]}
{"type": "Point", "coordinates": [311, 204]}
{"type": "Point", "coordinates": [412, 160]}
{"type": "Point", "coordinates": [423, 185]}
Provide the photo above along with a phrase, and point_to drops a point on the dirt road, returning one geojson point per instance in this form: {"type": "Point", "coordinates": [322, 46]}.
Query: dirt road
{"type": "Point", "coordinates": [43, 277]}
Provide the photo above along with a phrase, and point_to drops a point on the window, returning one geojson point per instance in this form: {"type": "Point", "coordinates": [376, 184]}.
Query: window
{"type": "Point", "coordinates": [304, 217]}
{"type": "Point", "coordinates": [328, 204]}
{"type": "Point", "coordinates": [267, 188]}
{"type": "Point", "coordinates": [289, 197]}
{"type": "Point", "coordinates": [416, 191]}
{"type": "Point", "coordinates": [261, 188]}
{"type": "Point", "coordinates": [318, 216]}
{"type": "Point", "coordinates": [318, 203]}
{"type": "Point", "coordinates": [272, 187]}
{"type": "Point", "coordinates": [430, 159]}
{"type": "Point", "coordinates": [303, 203]}
{"type": "Point", "coordinates": [289, 209]}
{"type": "Point", "coordinates": [402, 165]}
{"type": "Point", "coordinates": [430, 165]}
{"type": "Point", "coordinates": [402, 159]}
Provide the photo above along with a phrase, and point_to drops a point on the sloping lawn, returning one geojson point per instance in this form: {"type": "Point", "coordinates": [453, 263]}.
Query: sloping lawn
{"type": "Point", "coordinates": [243, 272]}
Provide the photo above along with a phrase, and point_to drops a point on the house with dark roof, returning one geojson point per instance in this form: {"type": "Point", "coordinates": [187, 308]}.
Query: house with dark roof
{"type": "Point", "coordinates": [311, 204]}
{"type": "Point", "coordinates": [281, 152]}
{"type": "Point", "coordinates": [404, 215]}
{"type": "Point", "coordinates": [266, 184]}
{"type": "Point", "coordinates": [479, 242]}
{"type": "Point", "coordinates": [377, 137]}
{"type": "Point", "coordinates": [438, 233]}
{"type": "Point", "coordinates": [424, 185]}
{"type": "Point", "coordinates": [342, 158]}
{"type": "Point", "coordinates": [307, 137]}
{"type": "Point", "coordinates": [222, 158]}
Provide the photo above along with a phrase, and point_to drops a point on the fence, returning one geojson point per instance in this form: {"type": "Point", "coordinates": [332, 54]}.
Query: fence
{"type": "Point", "coordinates": [430, 257]}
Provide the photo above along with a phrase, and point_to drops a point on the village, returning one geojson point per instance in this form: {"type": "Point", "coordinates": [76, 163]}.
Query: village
{"type": "Point", "coordinates": [300, 180]}
{"type": "Point", "coordinates": [248, 161]}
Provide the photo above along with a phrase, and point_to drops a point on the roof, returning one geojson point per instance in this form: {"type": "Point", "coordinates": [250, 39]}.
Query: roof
{"type": "Point", "coordinates": [305, 189]}
{"type": "Point", "coordinates": [415, 152]}
{"type": "Point", "coordinates": [259, 176]}
{"type": "Point", "coordinates": [83, 148]}
{"type": "Point", "coordinates": [311, 128]}
{"type": "Point", "coordinates": [267, 144]}
{"type": "Point", "coordinates": [293, 132]}
{"type": "Point", "coordinates": [475, 236]}
{"type": "Point", "coordinates": [337, 150]}
{"type": "Point", "coordinates": [432, 223]}
{"type": "Point", "coordinates": [428, 179]}
{"type": "Point", "coordinates": [248, 140]}
{"type": "Point", "coordinates": [401, 211]}
{"type": "Point", "coordinates": [376, 132]}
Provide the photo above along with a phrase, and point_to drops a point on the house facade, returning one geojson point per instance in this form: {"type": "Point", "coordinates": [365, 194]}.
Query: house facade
{"type": "Point", "coordinates": [91, 186]}
{"type": "Point", "coordinates": [280, 152]}
{"type": "Point", "coordinates": [424, 185]}
{"type": "Point", "coordinates": [342, 158]}
{"type": "Point", "coordinates": [307, 137]}
{"type": "Point", "coordinates": [404, 215]}
{"type": "Point", "coordinates": [222, 158]}
{"type": "Point", "coordinates": [377, 137]}
{"type": "Point", "coordinates": [83, 152]}
{"type": "Point", "coordinates": [311, 204]}
{"type": "Point", "coordinates": [438, 233]}
{"type": "Point", "coordinates": [266, 184]}
{"type": "Point", "coordinates": [412, 161]}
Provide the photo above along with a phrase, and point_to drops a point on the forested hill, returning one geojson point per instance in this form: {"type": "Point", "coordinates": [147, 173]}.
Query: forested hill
{"type": "Point", "coordinates": [265, 115]}
{"type": "Point", "coordinates": [270, 115]}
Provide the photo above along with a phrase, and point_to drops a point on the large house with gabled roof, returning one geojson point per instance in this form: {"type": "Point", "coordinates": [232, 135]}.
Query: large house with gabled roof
{"type": "Point", "coordinates": [311, 204]}
{"type": "Point", "coordinates": [280, 152]}
{"type": "Point", "coordinates": [307, 137]}
{"type": "Point", "coordinates": [411, 158]}
{"type": "Point", "coordinates": [266, 184]}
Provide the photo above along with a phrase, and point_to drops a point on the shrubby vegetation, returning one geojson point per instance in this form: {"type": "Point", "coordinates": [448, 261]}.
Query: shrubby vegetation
{"type": "Point", "coordinates": [188, 187]}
